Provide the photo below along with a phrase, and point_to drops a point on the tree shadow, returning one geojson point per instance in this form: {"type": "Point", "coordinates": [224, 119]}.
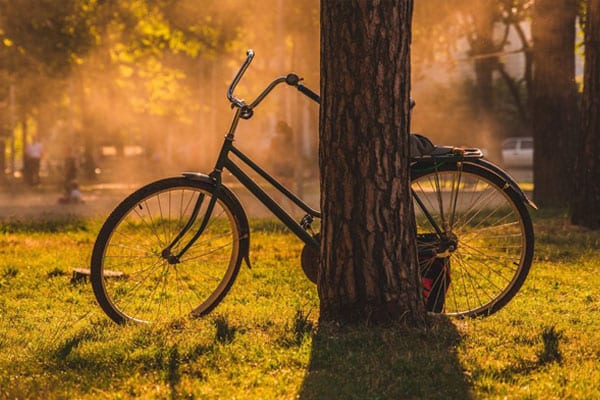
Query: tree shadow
{"type": "Point", "coordinates": [394, 362]}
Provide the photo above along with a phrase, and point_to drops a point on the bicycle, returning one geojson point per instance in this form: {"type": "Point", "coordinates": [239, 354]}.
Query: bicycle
{"type": "Point", "coordinates": [174, 247]}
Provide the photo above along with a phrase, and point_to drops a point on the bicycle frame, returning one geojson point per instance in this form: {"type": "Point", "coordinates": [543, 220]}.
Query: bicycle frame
{"type": "Point", "coordinates": [302, 228]}
{"type": "Point", "coordinates": [474, 235]}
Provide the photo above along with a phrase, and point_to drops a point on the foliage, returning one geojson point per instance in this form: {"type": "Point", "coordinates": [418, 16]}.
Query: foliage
{"type": "Point", "coordinates": [486, 33]}
{"type": "Point", "coordinates": [126, 42]}
{"type": "Point", "coordinates": [439, 25]}
{"type": "Point", "coordinates": [56, 342]}
{"type": "Point", "coordinates": [90, 73]}
{"type": "Point", "coordinates": [45, 36]}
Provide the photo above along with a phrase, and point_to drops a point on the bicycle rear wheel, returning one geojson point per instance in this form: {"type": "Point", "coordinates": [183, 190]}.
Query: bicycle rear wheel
{"type": "Point", "coordinates": [134, 279]}
{"type": "Point", "coordinates": [482, 253]}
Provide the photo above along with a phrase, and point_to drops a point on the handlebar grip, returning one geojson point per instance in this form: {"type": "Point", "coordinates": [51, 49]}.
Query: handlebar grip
{"type": "Point", "coordinates": [309, 93]}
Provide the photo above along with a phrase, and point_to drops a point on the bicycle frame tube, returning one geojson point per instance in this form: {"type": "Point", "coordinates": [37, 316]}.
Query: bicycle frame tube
{"type": "Point", "coordinates": [224, 161]}
{"type": "Point", "coordinates": [291, 196]}
{"type": "Point", "coordinates": [263, 197]}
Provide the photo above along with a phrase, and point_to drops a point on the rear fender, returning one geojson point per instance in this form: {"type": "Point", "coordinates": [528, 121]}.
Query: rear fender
{"type": "Point", "coordinates": [506, 177]}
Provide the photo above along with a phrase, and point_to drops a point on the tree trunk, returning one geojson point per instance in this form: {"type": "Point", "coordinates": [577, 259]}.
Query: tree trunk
{"type": "Point", "coordinates": [554, 101]}
{"type": "Point", "coordinates": [2, 158]}
{"type": "Point", "coordinates": [369, 270]}
{"type": "Point", "coordinates": [586, 210]}
{"type": "Point", "coordinates": [482, 47]}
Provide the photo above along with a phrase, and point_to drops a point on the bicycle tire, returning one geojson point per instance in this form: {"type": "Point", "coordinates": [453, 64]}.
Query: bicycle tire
{"type": "Point", "coordinates": [132, 280]}
{"type": "Point", "coordinates": [492, 230]}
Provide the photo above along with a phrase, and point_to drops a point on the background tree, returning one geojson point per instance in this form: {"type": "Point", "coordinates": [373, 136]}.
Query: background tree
{"type": "Point", "coordinates": [369, 268]}
{"type": "Point", "coordinates": [87, 74]}
{"type": "Point", "coordinates": [40, 43]}
{"type": "Point", "coordinates": [554, 101]}
{"type": "Point", "coordinates": [482, 48]}
{"type": "Point", "coordinates": [149, 73]}
{"type": "Point", "coordinates": [482, 15]}
{"type": "Point", "coordinates": [586, 209]}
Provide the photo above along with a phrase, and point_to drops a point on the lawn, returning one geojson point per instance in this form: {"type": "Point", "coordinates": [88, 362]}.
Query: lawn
{"type": "Point", "coordinates": [263, 341]}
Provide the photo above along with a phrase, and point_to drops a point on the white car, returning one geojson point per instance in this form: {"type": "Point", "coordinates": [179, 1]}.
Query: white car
{"type": "Point", "coordinates": [518, 152]}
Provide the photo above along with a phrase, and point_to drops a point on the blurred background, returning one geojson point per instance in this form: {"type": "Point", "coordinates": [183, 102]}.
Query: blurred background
{"type": "Point", "coordinates": [129, 91]}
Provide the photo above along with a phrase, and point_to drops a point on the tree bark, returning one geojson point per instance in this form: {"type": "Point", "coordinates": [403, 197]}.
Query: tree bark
{"type": "Point", "coordinates": [586, 210]}
{"type": "Point", "coordinates": [369, 269]}
{"type": "Point", "coordinates": [554, 101]}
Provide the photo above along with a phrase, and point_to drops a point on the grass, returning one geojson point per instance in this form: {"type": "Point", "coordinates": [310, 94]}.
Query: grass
{"type": "Point", "coordinates": [263, 341]}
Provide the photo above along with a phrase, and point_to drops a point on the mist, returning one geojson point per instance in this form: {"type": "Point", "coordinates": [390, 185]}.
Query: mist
{"type": "Point", "coordinates": [135, 114]}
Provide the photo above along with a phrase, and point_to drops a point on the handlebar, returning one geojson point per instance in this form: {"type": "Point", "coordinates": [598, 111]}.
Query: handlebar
{"type": "Point", "coordinates": [246, 109]}
{"type": "Point", "coordinates": [309, 93]}
{"type": "Point", "coordinates": [238, 76]}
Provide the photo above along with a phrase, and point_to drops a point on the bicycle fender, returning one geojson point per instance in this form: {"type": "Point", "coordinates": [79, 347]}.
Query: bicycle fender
{"type": "Point", "coordinates": [238, 210]}
{"type": "Point", "coordinates": [197, 176]}
{"type": "Point", "coordinates": [509, 180]}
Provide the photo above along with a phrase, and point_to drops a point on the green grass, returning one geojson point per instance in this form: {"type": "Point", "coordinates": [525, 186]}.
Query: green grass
{"type": "Point", "coordinates": [263, 341]}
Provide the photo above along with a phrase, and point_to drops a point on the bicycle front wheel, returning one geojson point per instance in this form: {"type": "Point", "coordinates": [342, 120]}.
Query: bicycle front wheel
{"type": "Point", "coordinates": [481, 252]}
{"type": "Point", "coordinates": [137, 270]}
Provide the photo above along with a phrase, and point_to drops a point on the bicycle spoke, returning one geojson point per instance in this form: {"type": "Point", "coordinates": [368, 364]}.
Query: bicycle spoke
{"type": "Point", "coordinates": [153, 285]}
{"type": "Point", "coordinates": [478, 212]}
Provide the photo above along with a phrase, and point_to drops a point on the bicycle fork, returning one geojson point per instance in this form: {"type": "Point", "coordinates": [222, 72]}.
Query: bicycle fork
{"type": "Point", "coordinates": [174, 258]}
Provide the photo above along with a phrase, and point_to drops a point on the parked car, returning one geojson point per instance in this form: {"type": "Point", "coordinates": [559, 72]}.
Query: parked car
{"type": "Point", "coordinates": [518, 152]}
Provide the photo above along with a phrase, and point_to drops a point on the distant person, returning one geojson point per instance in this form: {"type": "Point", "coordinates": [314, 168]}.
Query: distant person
{"type": "Point", "coordinates": [73, 196]}
{"type": "Point", "coordinates": [33, 157]}
{"type": "Point", "coordinates": [70, 168]}
{"type": "Point", "coordinates": [282, 153]}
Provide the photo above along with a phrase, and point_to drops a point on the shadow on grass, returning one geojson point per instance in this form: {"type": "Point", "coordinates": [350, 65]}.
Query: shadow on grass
{"type": "Point", "coordinates": [386, 363]}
